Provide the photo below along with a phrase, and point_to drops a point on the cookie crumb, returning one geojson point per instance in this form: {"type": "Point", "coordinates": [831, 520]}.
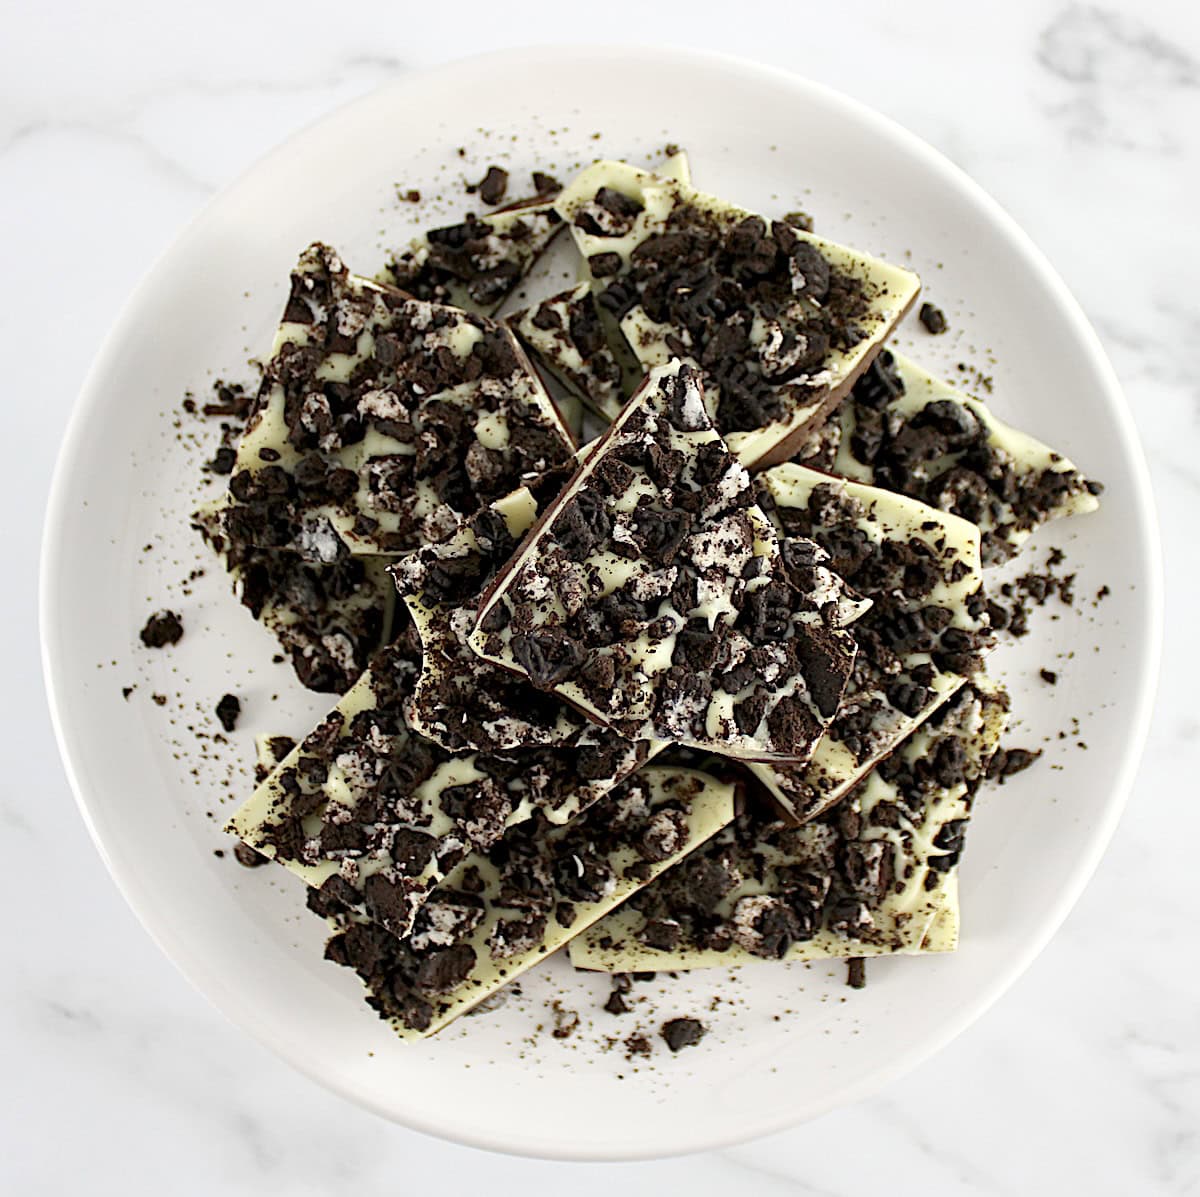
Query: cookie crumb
{"type": "Point", "coordinates": [228, 710]}
{"type": "Point", "coordinates": [856, 973]}
{"type": "Point", "coordinates": [248, 857]}
{"type": "Point", "coordinates": [1048, 676]}
{"type": "Point", "coordinates": [637, 1045]}
{"type": "Point", "coordinates": [933, 319]}
{"type": "Point", "coordinates": [162, 628]}
{"type": "Point", "coordinates": [492, 186]}
{"type": "Point", "coordinates": [682, 1032]}
{"type": "Point", "coordinates": [565, 1020]}
{"type": "Point", "coordinates": [1009, 761]}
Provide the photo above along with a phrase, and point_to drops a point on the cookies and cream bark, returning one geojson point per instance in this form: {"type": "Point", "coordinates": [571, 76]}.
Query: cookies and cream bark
{"type": "Point", "coordinates": [460, 700]}
{"type": "Point", "coordinates": [653, 594]}
{"type": "Point", "coordinates": [907, 431]}
{"type": "Point", "coordinates": [875, 875]}
{"type": "Point", "coordinates": [383, 420]}
{"type": "Point", "coordinates": [922, 637]}
{"type": "Point", "coordinates": [781, 321]}
{"type": "Point", "coordinates": [367, 805]}
{"type": "Point", "coordinates": [565, 333]}
{"type": "Point", "coordinates": [476, 263]}
{"type": "Point", "coordinates": [329, 619]}
{"type": "Point", "coordinates": [504, 911]}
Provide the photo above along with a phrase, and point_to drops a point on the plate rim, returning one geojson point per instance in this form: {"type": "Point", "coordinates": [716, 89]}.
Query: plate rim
{"type": "Point", "coordinates": [52, 574]}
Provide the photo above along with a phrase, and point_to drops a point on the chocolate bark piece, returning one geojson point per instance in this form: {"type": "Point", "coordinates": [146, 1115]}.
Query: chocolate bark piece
{"type": "Point", "coordinates": [367, 808]}
{"type": "Point", "coordinates": [500, 914]}
{"type": "Point", "coordinates": [924, 634]}
{"type": "Point", "coordinates": [566, 335]}
{"type": "Point", "coordinates": [906, 431]}
{"type": "Point", "coordinates": [383, 420]}
{"type": "Point", "coordinates": [460, 700]}
{"type": "Point", "coordinates": [329, 619]}
{"type": "Point", "coordinates": [652, 594]}
{"type": "Point", "coordinates": [476, 263]}
{"type": "Point", "coordinates": [782, 321]}
{"type": "Point", "coordinates": [875, 875]}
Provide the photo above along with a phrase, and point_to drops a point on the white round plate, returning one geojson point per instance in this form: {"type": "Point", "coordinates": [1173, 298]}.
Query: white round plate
{"type": "Point", "coordinates": [785, 1043]}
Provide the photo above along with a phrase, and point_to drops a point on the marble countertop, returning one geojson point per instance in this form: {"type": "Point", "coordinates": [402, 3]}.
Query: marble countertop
{"type": "Point", "coordinates": [117, 123]}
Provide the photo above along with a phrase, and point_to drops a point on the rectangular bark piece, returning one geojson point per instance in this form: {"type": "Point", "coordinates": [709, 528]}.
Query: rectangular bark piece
{"type": "Point", "coordinates": [923, 636]}
{"type": "Point", "coordinates": [368, 810]}
{"type": "Point", "coordinates": [906, 431]}
{"type": "Point", "coordinates": [653, 594]}
{"type": "Point", "coordinates": [383, 420]}
{"type": "Point", "coordinates": [781, 321]}
{"type": "Point", "coordinates": [874, 876]}
{"type": "Point", "coordinates": [501, 913]}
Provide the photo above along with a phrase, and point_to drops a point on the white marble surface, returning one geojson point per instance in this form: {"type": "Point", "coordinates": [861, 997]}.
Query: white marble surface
{"type": "Point", "coordinates": [118, 121]}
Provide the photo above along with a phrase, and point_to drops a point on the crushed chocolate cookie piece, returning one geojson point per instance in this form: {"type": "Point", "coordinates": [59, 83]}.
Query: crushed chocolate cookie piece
{"type": "Point", "coordinates": [799, 220]}
{"type": "Point", "coordinates": [1010, 761]}
{"type": "Point", "coordinates": [637, 1045]}
{"type": "Point", "coordinates": [228, 710]}
{"type": "Point", "coordinates": [248, 857]}
{"type": "Point", "coordinates": [492, 186]}
{"type": "Point", "coordinates": [544, 184]}
{"type": "Point", "coordinates": [232, 399]}
{"type": "Point", "coordinates": [160, 700]}
{"type": "Point", "coordinates": [615, 1003]}
{"type": "Point", "coordinates": [1049, 676]}
{"type": "Point", "coordinates": [856, 972]}
{"type": "Point", "coordinates": [162, 628]}
{"type": "Point", "coordinates": [682, 1032]}
{"type": "Point", "coordinates": [410, 196]}
{"type": "Point", "coordinates": [126, 691]}
{"type": "Point", "coordinates": [223, 461]}
{"type": "Point", "coordinates": [566, 1022]}
{"type": "Point", "coordinates": [933, 319]}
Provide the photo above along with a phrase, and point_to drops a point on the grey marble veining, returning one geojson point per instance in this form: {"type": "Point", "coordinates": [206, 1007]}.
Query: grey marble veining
{"type": "Point", "coordinates": [116, 124]}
